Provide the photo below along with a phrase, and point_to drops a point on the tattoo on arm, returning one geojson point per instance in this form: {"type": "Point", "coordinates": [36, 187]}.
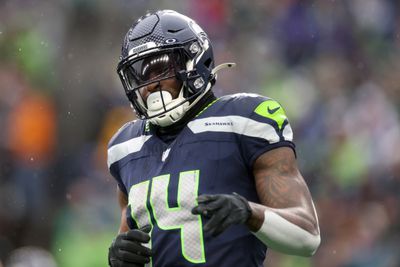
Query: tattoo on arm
{"type": "Point", "coordinates": [281, 187]}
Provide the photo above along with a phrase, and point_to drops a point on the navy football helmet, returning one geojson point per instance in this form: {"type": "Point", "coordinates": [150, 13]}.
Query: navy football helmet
{"type": "Point", "coordinates": [163, 45]}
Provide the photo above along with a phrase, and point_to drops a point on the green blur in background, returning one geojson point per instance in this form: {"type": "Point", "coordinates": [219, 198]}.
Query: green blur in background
{"type": "Point", "coordinates": [332, 65]}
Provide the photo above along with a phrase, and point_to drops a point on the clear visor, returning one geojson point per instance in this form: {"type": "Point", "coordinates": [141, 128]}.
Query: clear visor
{"type": "Point", "coordinates": [143, 71]}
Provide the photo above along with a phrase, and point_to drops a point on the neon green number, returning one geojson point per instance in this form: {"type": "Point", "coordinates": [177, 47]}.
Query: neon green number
{"type": "Point", "coordinates": [167, 218]}
{"type": "Point", "coordinates": [180, 217]}
{"type": "Point", "coordinates": [139, 212]}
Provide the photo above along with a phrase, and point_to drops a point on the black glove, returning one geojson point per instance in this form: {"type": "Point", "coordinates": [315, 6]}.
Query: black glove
{"type": "Point", "coordinates": [223, 211]}
{"type": "Point", "coordinates": [127, 251]}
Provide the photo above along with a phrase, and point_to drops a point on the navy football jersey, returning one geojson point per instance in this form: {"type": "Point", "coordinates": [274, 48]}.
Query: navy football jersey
{"type": "Point", "coordinates": [213, 154]}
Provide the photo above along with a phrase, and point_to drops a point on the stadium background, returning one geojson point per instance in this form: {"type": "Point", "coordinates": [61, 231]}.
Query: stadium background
{"type": "Point", "coordinates": [334, 65]}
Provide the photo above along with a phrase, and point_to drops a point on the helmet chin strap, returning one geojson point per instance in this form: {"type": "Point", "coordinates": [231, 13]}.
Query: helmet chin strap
{"type": "Point", "coordinates": [157, 101]}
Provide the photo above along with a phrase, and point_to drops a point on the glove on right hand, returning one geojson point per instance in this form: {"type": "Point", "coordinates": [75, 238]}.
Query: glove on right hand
{"type": "Point", "coordinates": [127, 250]}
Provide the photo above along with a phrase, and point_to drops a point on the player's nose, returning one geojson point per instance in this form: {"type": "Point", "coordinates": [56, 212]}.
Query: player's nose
{"type": "Point", "coordinates": [153, 87]}
{"type": "Point", "coordinates": [150, 88]}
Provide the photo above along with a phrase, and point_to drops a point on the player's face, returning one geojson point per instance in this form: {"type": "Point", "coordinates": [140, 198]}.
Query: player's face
{"type": "Point", "coordinates": [171, 85]}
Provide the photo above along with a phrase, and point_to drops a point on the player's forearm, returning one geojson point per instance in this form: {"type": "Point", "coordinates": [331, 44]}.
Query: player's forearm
{"type": "Point", "coordinates": [123, 204]}
{"type": "Point", "coordinates": [291, 231]}
{"type": "Point", "coordinates": [297, 216]}
{"type": "Point", "coordinates": [123, 227]}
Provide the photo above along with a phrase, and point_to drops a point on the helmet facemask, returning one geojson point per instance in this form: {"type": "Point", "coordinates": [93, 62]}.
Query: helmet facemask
{"type": "Point", "coordinates": [150, 69]}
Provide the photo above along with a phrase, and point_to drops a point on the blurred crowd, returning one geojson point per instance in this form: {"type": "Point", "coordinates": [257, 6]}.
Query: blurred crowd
{"type": "Point", "coordinates": [334, 65]}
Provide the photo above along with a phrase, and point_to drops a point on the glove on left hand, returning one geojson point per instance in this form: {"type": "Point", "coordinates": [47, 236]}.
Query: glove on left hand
{"type": "Point", "coordinates": [223, 210]}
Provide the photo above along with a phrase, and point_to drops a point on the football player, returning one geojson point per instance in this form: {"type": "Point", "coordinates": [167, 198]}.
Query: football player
{"type": "Point", "coordinates": [201, 180]}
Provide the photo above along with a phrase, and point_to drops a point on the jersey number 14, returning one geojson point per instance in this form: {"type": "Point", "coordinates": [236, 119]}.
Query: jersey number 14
{"type": "Point", "coordinates": [167, 218]}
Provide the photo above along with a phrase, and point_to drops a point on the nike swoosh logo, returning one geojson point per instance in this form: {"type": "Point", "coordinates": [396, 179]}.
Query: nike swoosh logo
{"type": "Point", "coordinates": [272, 111]}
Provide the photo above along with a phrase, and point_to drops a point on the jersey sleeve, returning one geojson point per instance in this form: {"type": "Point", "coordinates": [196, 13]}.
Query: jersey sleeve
{"type": "Point", "coordinates": [267, 128]}
{"type": "Point", "coordinates": [114, 165]}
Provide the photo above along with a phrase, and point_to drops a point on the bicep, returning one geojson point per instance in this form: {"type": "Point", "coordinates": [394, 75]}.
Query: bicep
{"type": "Point", "coordinates": [278, 180]}
{"type": "Point", "coordinates": [123, 203]}
{"type": "Point", "coordinates": [281, 186]}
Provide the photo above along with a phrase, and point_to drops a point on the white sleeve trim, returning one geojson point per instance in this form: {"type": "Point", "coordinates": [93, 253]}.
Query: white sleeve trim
{"type": "Point", "coordinates": [279, 234]}
{"type": "Point", "coordinates": [123, 149]}
{"type": "Point", "coordinates": [235, 124]}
